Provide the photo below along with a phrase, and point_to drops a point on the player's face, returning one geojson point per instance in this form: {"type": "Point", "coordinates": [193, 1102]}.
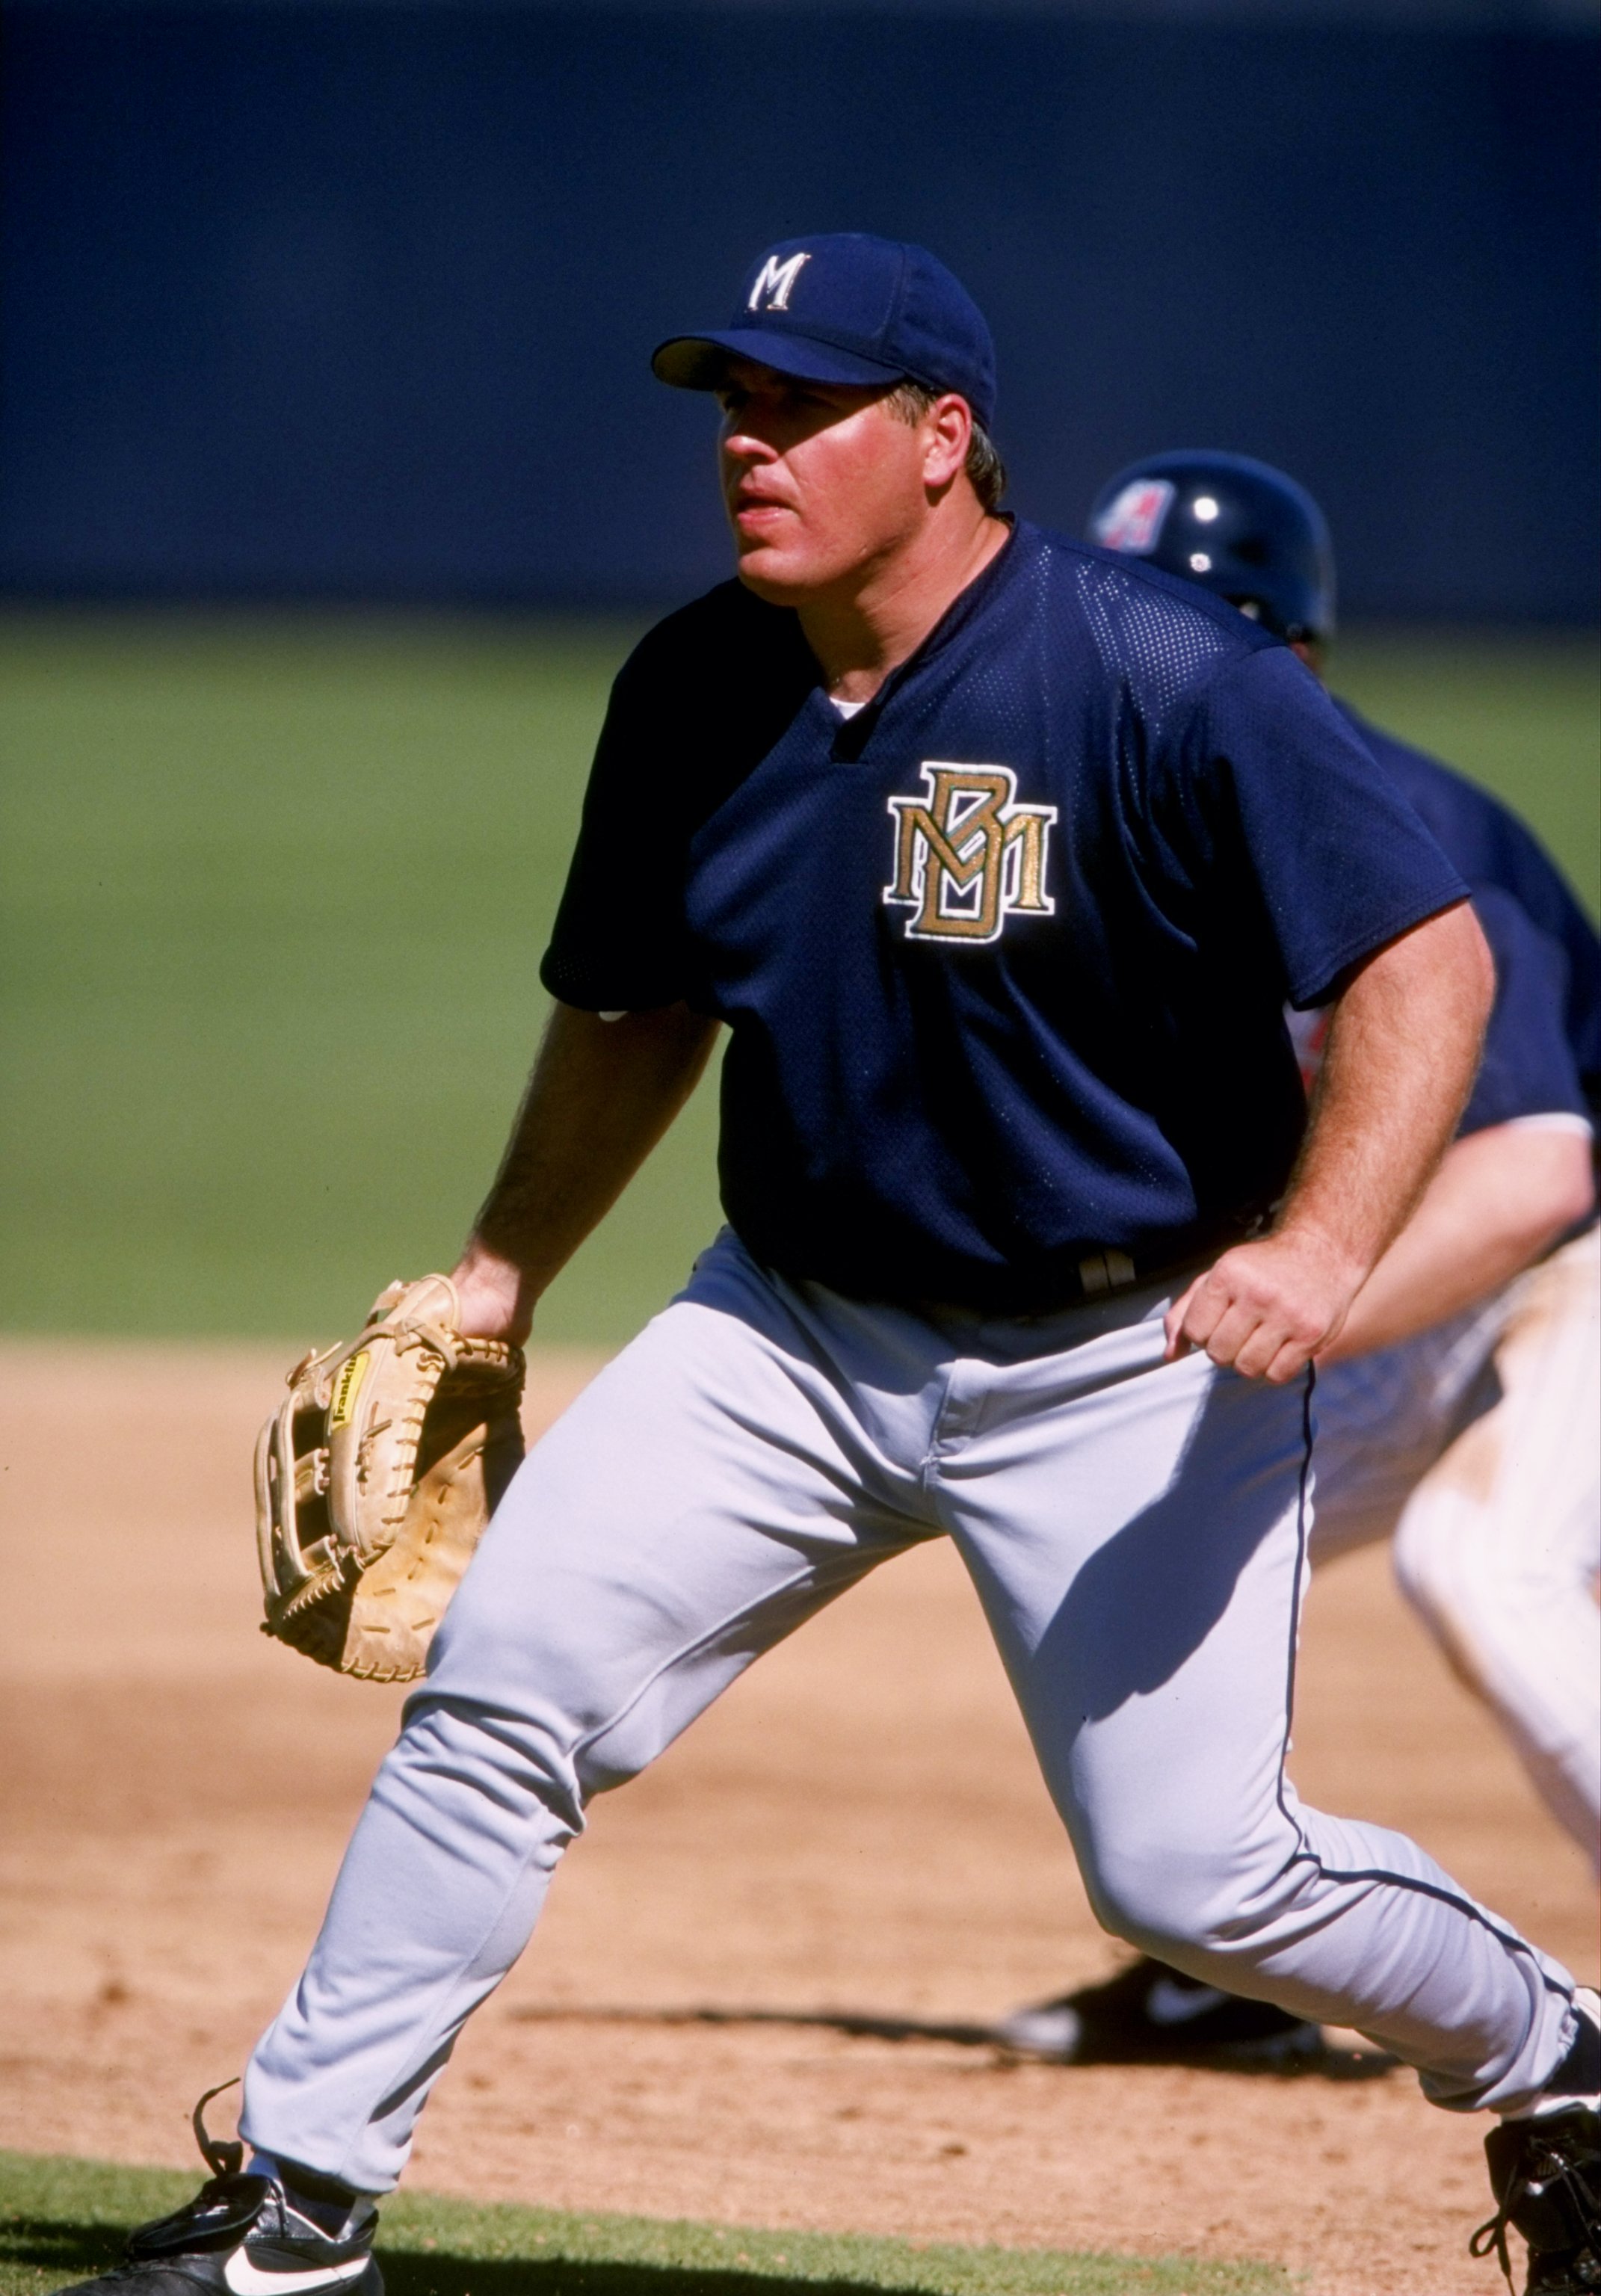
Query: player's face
{"type": "Point", "coordinates": [821, 481]}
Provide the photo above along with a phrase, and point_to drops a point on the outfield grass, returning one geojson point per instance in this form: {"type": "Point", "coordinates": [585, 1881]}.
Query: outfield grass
{"type": "Point", "coordinates": [273, 895]}
{"type": "Point", "coordinates": [62, 2219]}
{"type": "Point", "coordinates": [273, 904]}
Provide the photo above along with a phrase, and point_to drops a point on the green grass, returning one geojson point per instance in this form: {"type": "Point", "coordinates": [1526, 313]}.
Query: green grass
{"type": "Point", "coordinates": [273, 895]}
{"type": "Point", "coordinates": [60, 2219]}
{"type": "Point", "coordinates": [274, 900]}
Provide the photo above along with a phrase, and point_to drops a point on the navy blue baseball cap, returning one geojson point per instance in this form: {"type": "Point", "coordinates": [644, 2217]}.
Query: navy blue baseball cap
{"type": "Point", "coordinates": [847, 308]}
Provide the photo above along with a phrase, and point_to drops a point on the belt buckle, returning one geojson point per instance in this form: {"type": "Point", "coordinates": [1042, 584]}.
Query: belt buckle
{"type": "Point", "coordinates": [1101, 1273]}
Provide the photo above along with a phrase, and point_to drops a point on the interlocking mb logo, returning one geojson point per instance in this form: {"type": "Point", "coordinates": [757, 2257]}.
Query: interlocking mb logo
{"type": "Point", "coordinates": [967, 857]}
{"type": "Point", "coordinates": [776, 282]}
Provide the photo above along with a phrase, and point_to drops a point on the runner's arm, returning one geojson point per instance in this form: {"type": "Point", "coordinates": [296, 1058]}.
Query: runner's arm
{"type": "Point", "coordinates": [1501, 1198]}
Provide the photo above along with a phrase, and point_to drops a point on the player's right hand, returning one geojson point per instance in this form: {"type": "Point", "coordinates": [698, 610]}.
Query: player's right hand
{"type": "Point", "coordinates": [494, 1296]}
{"type": "Point", "coordinates": [1265, 1309]}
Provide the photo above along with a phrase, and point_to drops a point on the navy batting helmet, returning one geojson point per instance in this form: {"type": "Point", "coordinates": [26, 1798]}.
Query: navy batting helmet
{"type": "Point", "coordinates": [1234, 526]}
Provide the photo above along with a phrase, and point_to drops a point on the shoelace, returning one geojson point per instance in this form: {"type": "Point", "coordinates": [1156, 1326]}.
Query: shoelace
{"type": "Point", "coordinates": [223, 2158]}
{"type": "Point", "coordinates": [1491, 2239]}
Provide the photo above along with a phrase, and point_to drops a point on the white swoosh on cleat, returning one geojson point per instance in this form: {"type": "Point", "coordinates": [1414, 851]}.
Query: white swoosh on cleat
{"type": "Point", "coordinates": [1171, 2004]}
{"type": "Point", "coordinates": [247, 2279]}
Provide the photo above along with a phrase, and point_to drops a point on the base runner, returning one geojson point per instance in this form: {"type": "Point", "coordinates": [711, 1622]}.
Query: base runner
{"type": "Point", "coordinates": [1456, 1411]}
{"type": "Point", "coordinates": [999, 858]}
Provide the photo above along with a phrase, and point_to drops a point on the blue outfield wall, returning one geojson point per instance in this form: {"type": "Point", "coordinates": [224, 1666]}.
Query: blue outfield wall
{"type": "Point", "coordinates": [354, 301]}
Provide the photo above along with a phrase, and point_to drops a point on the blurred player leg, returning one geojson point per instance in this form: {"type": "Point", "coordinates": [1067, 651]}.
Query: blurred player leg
{"type": "Point", "coordinates": [1382, 1420]}
{"type": "Point", "coordinates": [1500, 1544]}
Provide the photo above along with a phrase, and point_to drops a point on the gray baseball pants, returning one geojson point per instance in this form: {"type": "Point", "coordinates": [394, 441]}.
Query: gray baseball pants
{"type": "Point", "coordinates": [1136, 1532]}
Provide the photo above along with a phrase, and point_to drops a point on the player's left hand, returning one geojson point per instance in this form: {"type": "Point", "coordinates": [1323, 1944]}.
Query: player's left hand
{"type": "Point", "coordinates": [1265, 1309]}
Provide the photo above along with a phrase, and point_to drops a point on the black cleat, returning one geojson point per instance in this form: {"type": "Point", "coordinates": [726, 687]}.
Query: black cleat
{"type": "Point", "coordinates": [1153, 2015]}
{"type": "Point", "coordinates": [243, 2236]}
{"type": "Point", "coordinates": [1545, 2172]}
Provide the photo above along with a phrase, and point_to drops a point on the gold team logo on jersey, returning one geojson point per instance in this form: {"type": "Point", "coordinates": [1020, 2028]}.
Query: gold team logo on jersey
{"type": "Point", "coordinates": [967, 856]}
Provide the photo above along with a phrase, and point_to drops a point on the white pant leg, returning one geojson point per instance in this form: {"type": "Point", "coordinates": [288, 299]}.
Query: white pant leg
{"type": "Point", "coordinates": [1136, 1533]}
{"type": "Point", "coordinates": [713, 1487]}
{"type": "Point", "coordinates": [1500, 1543]}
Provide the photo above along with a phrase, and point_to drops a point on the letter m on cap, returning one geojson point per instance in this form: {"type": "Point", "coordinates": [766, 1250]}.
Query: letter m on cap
{"type": "Point", "coordinates": [776, 282]}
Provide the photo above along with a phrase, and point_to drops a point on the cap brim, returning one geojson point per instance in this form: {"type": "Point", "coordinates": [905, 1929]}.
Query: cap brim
{"type": "Point", "coordinates": [700, 362]}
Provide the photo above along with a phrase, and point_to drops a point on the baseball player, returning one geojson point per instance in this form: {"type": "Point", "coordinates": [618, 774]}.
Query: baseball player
{"type": "Point", "coordinates": [1000, 857]}
{"type": "Point", "coordinates": [1457, 1409]}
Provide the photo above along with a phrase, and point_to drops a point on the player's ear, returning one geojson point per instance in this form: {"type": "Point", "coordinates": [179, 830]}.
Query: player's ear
{"type": "Point", "coordinates": [948, 429]}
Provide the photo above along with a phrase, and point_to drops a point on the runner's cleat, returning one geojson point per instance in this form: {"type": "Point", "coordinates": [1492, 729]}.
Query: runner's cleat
{"type": "Point", "coordinates": [1151, 2015]}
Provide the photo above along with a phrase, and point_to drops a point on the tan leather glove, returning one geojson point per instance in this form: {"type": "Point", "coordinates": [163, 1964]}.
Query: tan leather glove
{"type": "Point", "coordinates": [374, 1480]}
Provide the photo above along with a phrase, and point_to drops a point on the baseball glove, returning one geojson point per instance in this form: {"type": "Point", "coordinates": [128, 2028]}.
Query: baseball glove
{"type": "Point", "coordinates": [374, 1480]}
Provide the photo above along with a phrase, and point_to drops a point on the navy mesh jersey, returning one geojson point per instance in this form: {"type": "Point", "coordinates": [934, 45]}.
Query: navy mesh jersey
{"type": "Point", "coordinates": [1004, 955]}
{"type": "Point", "coordinates": [1542, 1049]}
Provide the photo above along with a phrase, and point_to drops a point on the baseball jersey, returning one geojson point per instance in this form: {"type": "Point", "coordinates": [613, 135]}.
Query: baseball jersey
{"type": "Point", "coordinates": [1542, 1048]}
{"type": "Point", "coordinates": [1004, 954]}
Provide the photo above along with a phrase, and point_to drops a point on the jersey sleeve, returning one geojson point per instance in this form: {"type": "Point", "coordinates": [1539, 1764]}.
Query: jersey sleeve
{"type": "Point", "coordinates": [619, 942]}
{"type": "Point", "coordinates": [1529, 1067]}
{"type": "Point", "coordinates": [1288, 804]}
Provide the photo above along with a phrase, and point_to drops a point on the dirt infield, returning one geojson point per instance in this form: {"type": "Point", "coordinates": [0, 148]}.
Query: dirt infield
{"type": "Point", "coordinates": [859, 1826]}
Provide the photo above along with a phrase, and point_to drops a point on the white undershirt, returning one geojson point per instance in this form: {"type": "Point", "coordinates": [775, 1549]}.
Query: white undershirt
{"type": "Point", "coordinates": [1553, 1120]}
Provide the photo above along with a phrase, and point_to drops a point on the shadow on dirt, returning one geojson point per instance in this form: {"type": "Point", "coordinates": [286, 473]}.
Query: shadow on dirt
{"type": "Point", "coordinates": [1330, 2063]}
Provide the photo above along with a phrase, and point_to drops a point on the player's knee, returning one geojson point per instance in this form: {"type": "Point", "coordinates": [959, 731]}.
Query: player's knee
{"type": "Point", "coordinates": [512, 1763]}
{"type": "Point", "coordinates": [1185, 1902]}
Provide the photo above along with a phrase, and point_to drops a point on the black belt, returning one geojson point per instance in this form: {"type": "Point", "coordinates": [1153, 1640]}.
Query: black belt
{"type": "Point", "coordinates": [1102, 1274]}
